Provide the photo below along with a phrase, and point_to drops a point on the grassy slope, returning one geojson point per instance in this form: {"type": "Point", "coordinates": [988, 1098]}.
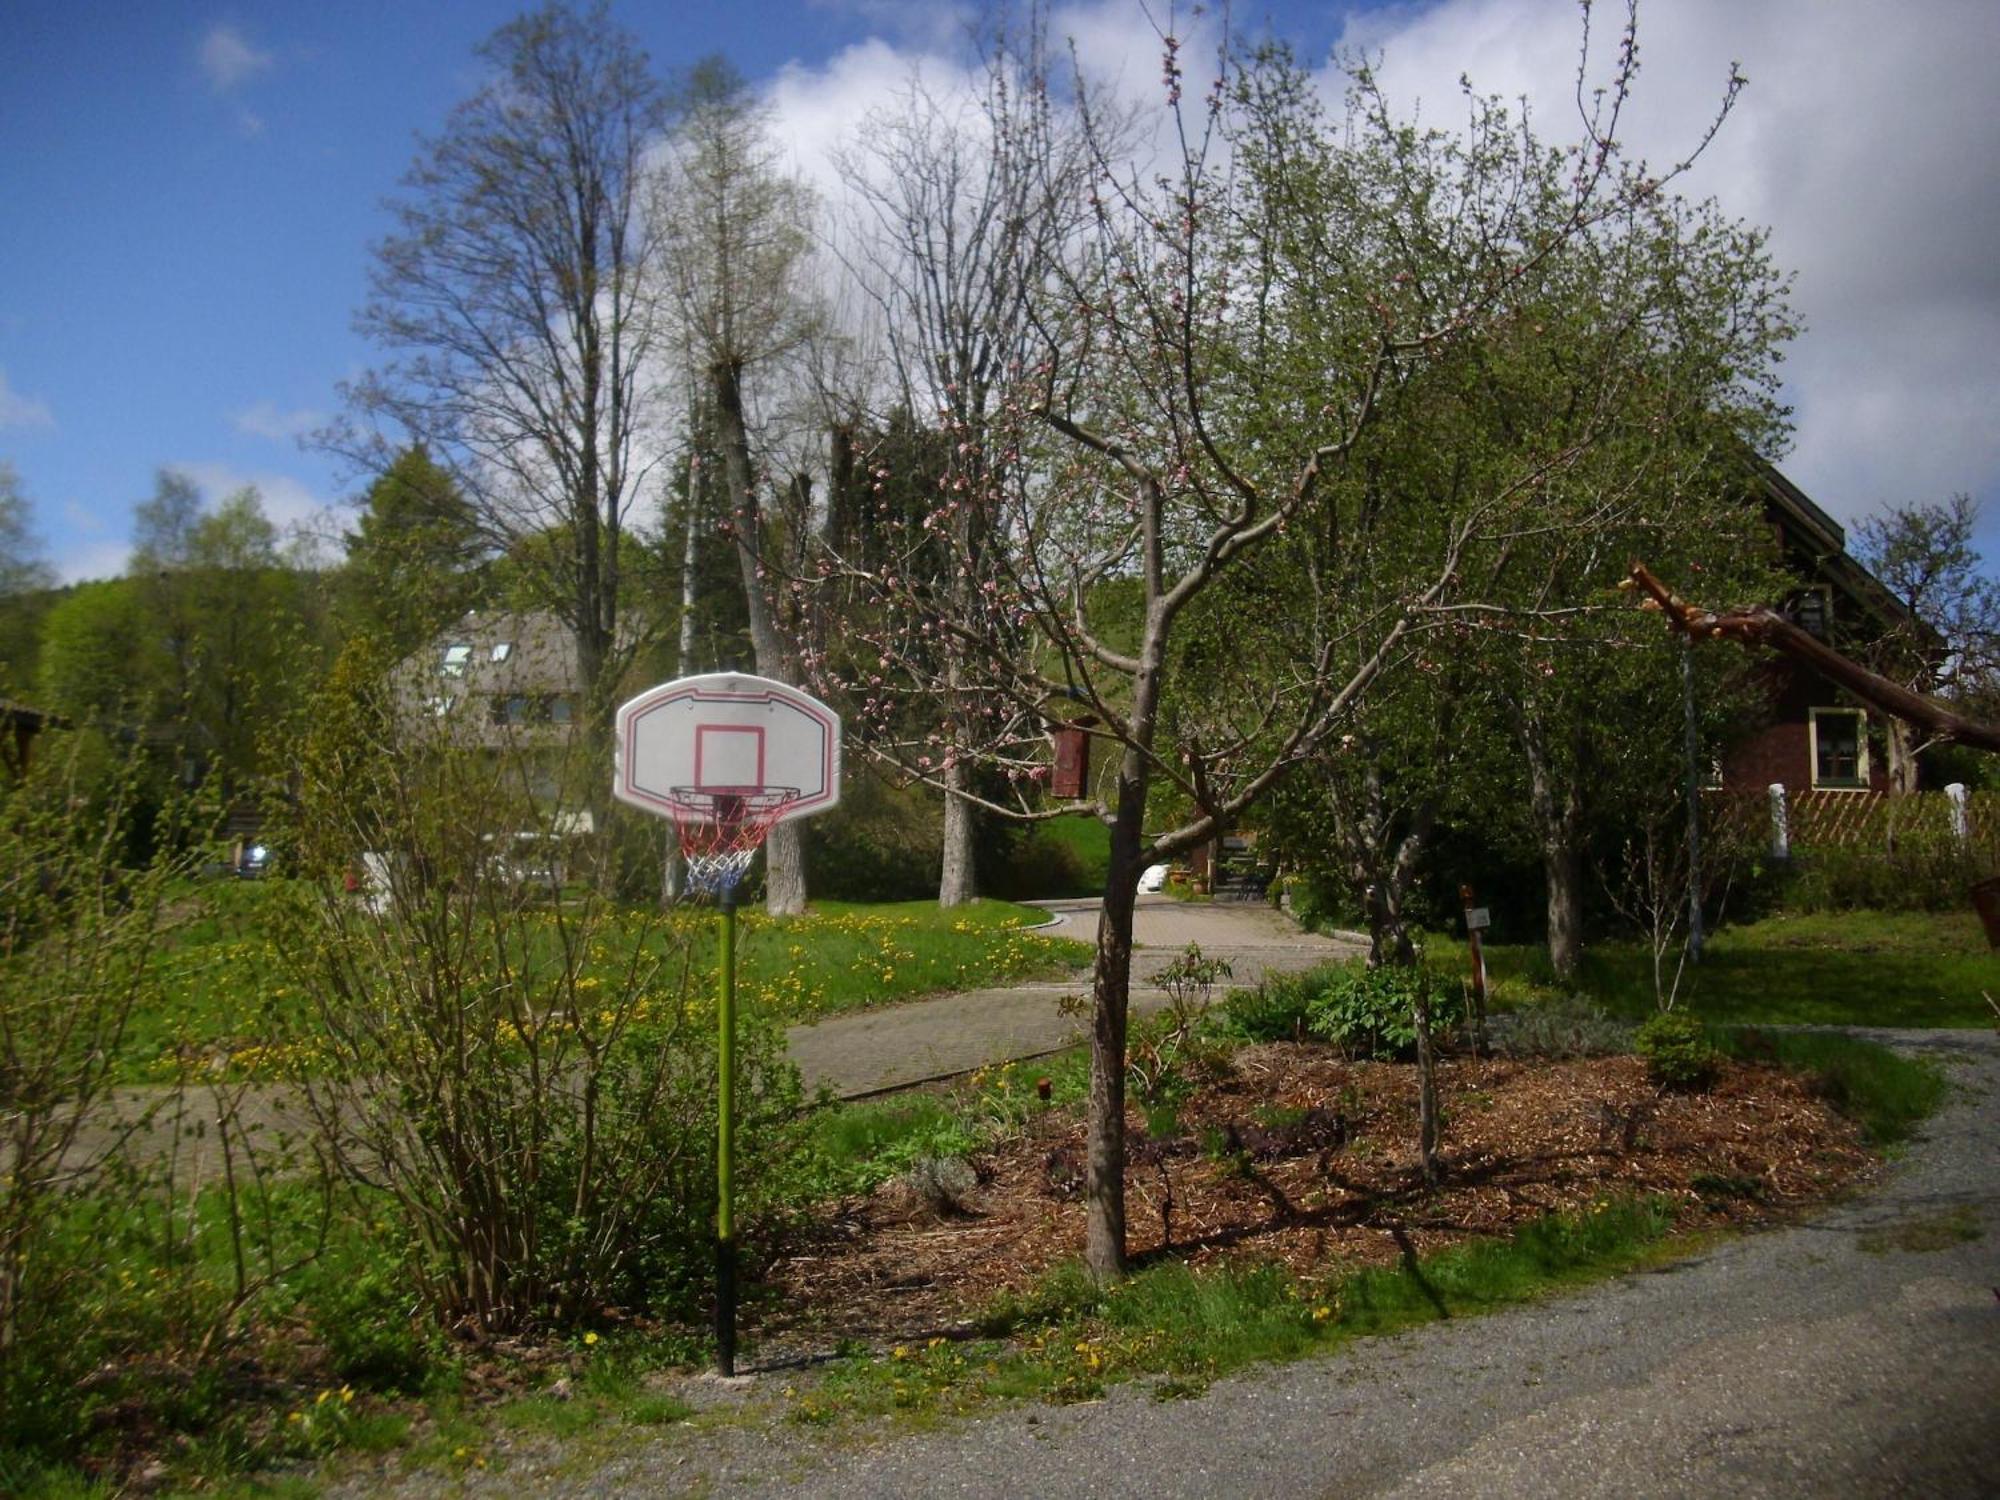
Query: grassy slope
{"type": "Point", "coordinates": [1842, 968]}
{"type": "Point", "coordinates": [222, 979]}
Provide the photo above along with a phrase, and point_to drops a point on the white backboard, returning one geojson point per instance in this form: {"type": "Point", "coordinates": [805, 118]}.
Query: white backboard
{"type": "Point", "coordinates": [726, 732]}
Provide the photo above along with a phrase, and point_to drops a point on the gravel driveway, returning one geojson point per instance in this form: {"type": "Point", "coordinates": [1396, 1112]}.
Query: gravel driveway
{"type": "Point", "coordinates": [1854, 1355]}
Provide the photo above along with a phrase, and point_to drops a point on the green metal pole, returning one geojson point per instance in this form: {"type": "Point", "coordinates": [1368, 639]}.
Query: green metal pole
{"type": "Point", "coordinates": [725, 1154]}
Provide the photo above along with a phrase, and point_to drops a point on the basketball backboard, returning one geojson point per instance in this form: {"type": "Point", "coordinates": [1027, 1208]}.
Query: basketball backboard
{"type": "Point", "coordinates": [682, 743]}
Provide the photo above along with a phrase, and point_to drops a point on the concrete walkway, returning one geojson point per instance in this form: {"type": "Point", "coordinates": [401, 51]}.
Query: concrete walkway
{"type": "Point", "coordinates": [875, 1051]}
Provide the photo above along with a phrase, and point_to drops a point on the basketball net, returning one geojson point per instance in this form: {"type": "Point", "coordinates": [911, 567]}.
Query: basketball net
{"type": "Point", "coordinates": [721, 831]}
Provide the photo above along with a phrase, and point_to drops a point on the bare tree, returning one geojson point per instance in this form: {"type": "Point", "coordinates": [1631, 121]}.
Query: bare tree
{"type": "Point", "coordinates": [736, 243]}
{"type": "Point", "coordinates": [1945, 641]}
{"type": "Point", "coordinates": [966, 202]}
{"type": "Point", "coordinates": [518, 302]}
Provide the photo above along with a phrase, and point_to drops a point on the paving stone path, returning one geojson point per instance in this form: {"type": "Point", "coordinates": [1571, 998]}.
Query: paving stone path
{"type": "Point", "coordinates": [855, 1055]}
{"type": "Point", "coordinates": [908, 1044]}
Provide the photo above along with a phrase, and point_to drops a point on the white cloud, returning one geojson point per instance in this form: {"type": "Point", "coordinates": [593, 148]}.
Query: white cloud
{"type": "Point", "coordinates": [93, 560]}
{"type": "Point", "coordinates": [227, 58]}
{"type": "Point", "coordinates": [17, 410]}
{"type": "Point", "coordinates": [265, 420]}
{"type": "Point", "coordinates": [290, 505]}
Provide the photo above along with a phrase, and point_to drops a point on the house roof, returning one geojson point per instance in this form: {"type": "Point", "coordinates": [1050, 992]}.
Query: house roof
{"type": "Point", "coordinates": [21, 716]}
{"type": "Point", "coordinates": [490, 655]}
{"type": "Point", "coordinates": [1824, 540]}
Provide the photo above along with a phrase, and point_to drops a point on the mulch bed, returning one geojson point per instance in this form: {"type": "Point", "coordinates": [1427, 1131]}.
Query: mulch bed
{"type": "Point", "coordinates": [1294, 1154]}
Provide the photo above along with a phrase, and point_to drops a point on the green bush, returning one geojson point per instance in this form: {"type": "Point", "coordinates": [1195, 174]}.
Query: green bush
{"type": "Point", "coordinates": [1277, 1010]}
{"type": "Point", "coordinates": [1565, 1025]}
{"type": "Point", "coordinates": [527, 1087]}
{"type": "Point", "coordinates": [1677, 1051]}
{"type": "Point", "coordinates": [1922, 871]}
{"type": "Point", "coordinates": [1372, 1012]}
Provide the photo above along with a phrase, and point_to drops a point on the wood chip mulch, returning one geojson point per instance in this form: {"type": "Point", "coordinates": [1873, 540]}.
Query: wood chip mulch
{"type": "Point", "coordinates": [1294, 1154]}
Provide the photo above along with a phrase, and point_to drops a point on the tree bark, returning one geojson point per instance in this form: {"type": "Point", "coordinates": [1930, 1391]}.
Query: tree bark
{"type": "Point", "coordinates": [1762, 626]}
{"type": "Point", "coordinates": [957, 880]}
{"type": "Point", "coordinates": [1104, 1244]}
{"type": "Point", "coordinates": [1556, 807]}
{"type": "Point", "coordinates": [785, 849]}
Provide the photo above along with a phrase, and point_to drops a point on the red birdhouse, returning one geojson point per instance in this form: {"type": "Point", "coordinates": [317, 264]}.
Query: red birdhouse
{"type": "Point", "coordinates": [1072, 768]}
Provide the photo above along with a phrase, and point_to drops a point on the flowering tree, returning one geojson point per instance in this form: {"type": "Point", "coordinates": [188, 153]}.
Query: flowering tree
{"type": "Point", "coordinates": [1185, 555]}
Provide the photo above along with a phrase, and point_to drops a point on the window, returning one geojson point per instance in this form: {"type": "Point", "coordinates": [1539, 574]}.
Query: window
{"type": "Point", "coordinates": [561, 711]}
{"type": "Point", "coordinates": [510, 708]}
{"type": "Point", "coordinates": [455, 658]}
{"type": "Point", "coordinates": [1839, 747]}
{"type": "Point", "coordinates": [1812, 610]}
{"type": "Point", "coordinates": [502, 650]}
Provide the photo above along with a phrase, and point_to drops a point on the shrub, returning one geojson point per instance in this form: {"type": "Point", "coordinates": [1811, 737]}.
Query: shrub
{"type": "Point", "coordinates": [1277, 1010]}
{"type": "Point", "coordinates": [1564, 1026]}
{"type": "Point", "coordinates": [528, 1084]}
{"type": "Point", "coordinates": [1677, 1051]}
{"type": "Point", "coordinates": [1373, 1012]}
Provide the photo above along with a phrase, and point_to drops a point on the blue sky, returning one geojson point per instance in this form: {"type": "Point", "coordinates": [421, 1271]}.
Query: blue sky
{"type": "Point", "coordinates": [191, 190]}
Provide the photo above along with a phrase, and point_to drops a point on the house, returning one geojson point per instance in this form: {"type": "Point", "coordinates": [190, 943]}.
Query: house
{"type": "Point", "coordinates": [19, 724]}
{"type": "Point", "coordinates": [506, 683]}
{"type": "Point", "coordinates": [1818, 738]}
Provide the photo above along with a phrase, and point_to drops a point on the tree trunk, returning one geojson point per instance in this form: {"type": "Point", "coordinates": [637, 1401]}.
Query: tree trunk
{"type": "Point", "coordinates": [1427, 1108]}
{"type": "Point", "coordinates": [957, 880]}
{"type": "Point", "coordinates": [1900, 743]}
{"type": "Point", "coordinates": [1558, 816]}
{"type": "Point", "coordinates": [1104, 1246]}
{"type": "Point", "coordinates": [785, 850]}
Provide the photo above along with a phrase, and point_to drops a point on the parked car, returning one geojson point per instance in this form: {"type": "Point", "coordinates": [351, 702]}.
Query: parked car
{"type": "Point", "coordinates": [1153, 878]}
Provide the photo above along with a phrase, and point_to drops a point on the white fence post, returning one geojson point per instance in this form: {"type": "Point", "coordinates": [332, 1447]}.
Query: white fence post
{"type": "Point", "coordinates": [1781, 827]}
{"type": "Point", "coordinates": [1961, 821]}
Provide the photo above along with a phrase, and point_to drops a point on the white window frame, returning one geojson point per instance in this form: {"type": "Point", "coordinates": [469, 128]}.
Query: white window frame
{"type": "Point", "coordinates": [1861, 782]}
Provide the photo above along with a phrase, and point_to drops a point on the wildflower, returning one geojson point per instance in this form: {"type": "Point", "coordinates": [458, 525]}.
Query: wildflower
{"type": "Point", "coordinates": [589, 1339]}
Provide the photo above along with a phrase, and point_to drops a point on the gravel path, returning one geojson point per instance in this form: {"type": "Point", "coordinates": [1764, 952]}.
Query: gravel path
{"type": "Point", "coordinates": [1831, 1358]}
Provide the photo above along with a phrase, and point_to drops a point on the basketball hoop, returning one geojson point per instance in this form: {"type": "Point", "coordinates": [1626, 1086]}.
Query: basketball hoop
{"type": "Point", "coordinates": [708, 752]}
{"type": "Point", "coordinates": [721, 830]}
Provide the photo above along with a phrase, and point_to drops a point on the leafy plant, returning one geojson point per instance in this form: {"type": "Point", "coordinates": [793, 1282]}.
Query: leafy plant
{"type": "Point", "coordinates": [1373, 1012]}
{"type": "Point", "coordinates": [1677, 1051]}
{"type": "Point", "coordinates": [1566, 1025]}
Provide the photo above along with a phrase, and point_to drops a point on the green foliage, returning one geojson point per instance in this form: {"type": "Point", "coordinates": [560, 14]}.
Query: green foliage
{"type": "Point", "coordinates": [1846, 969]}
{"type": "Point", "coordinates": [413, 559]}
{"type": "Point", "coordinates": [1277, 1009]}
{"type": "Point", "coordinates": [1564, 1025]}
{"type": "Point", "coordinates": [1062, 857]}
{"type": "Point", "coordinates": [1677, 1051]}
{"type": "Point", "coordinates": [1372, 1012]}
{"type": "Point", "coordinates": [528, 1084]}
{"type": "Point", "coordinates": [1925, 870]}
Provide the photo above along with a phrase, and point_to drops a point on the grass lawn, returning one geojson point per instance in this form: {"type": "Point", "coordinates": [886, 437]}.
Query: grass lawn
{"type": "Point", "coordinates": [1828, 968]}
{"type": "Point", "coordinates": [224, 985]}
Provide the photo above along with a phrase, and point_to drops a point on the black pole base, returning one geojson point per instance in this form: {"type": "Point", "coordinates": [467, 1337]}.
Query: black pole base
{"type": "Point", "coordinates": [725, 1307]}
